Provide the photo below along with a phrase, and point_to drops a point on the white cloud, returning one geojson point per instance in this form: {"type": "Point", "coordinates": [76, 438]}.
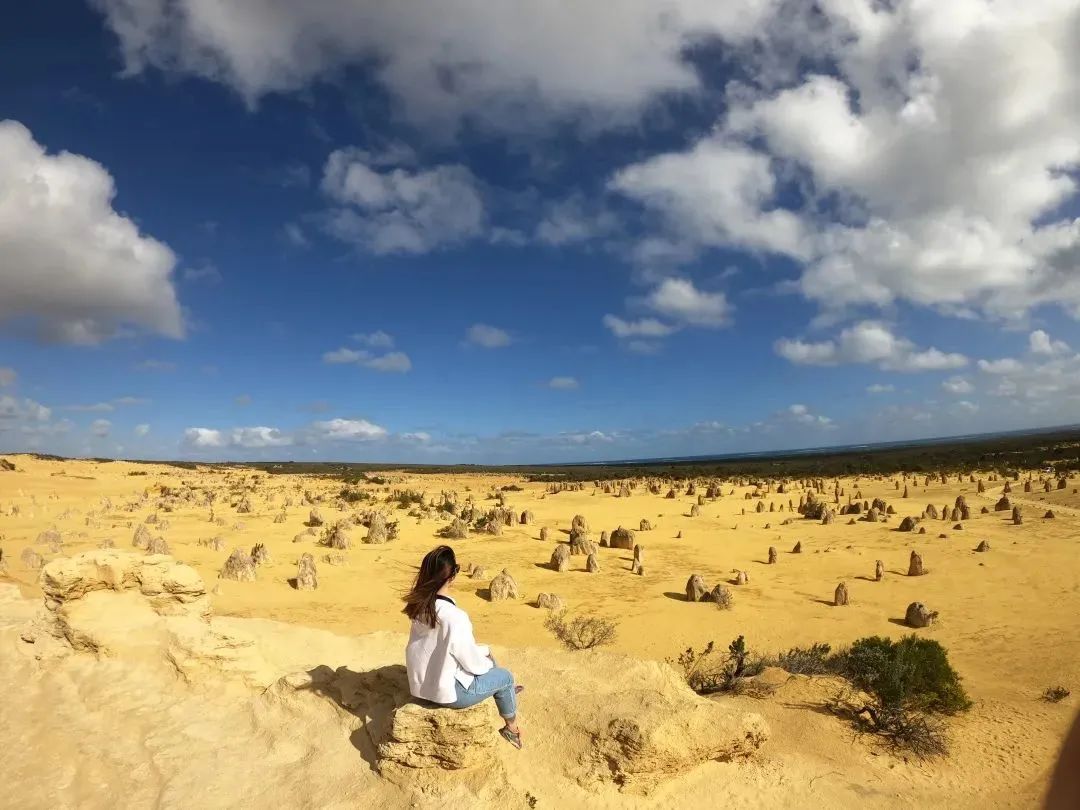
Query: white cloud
{"type": "Point", "coordinates": [933, 166]}
{"type": "Point", "coordinates": [957, 385]}
{"type": "Point", "coordinates": [242, 437]}
{"type": "Point", "coordinates": [13, 410]}
{"type": "Point", "coordinates": [573, 221]}
{"type": "Point", "coordinates": [679, 300]}
{"type": "Point", "coordinates": [400, 210]}
{"type": "Point", "coordinates": [393, 362]}
{"type": "Point", "coordinates": [100, 428]}
{"type": "Point", "coordinates": [590, 437]}
{"type": "Point", "coordinates": [417, 436]}
{"type": "Point", "coordinates": [869, 342]}
{"type": "Point", "coordinates": [880, 388]}
{"type": "Point", "coordinates": [8, 376]}
{"type": "Point", "coordinates": [205, 437]}
{"type": "Point", "coordinates": [396, 362]}
{"type": "Point", "coordinates": [716, 194]}
{"type": "Point", "coordinates": [488, 337]}
{"type": "Point", "coordinates": [965, 408]}
{"type": "Point", "coordinates": [646, 327]}
{"type": "Point", "coordinates": [349, 430]}
{"type": "Point", "coordinates": [1006, 365]}
{"type": "Point", "coordinates": [376, 340]}
{"type": "Point", "coordinates": [563, 383]}
{"type": "Point", "coordinates": [515, 66]}
{"type": "Point", "coordinates": [243, 400]}
{"type": "Point", "coordinates": [1039, 342]}
{"type": "Point", "coordinates": [141, 430]}
{"type": "Point", "coordinates": [72, 266]}
{"type": "Point", "coordinates": [253, 437]}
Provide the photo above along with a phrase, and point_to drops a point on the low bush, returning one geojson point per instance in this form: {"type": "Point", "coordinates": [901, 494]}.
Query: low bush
{"type": "Point", "coordinates": [582, 632]}
{"type": "Point", "coordinates": [908, 683]}
{"type": "Point", "coordinates": [711, 670]}
{"type": "Point", "coordinates": [406, 498]}
{"type": "Point", "coordinates": [817, 659]}
{"type": "Point", "coordinates": [353, 495]}
{"type": "Point", "coordinates": [1055, 694]}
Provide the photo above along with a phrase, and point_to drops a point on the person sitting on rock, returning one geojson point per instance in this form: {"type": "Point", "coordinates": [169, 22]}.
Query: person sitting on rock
{"type": "Point", "coordinates": [445, 664]}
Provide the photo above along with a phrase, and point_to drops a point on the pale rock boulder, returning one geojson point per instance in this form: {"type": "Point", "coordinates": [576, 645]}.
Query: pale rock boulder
{"type": "Point", "coordinates": [550, 601]}
{"type": "Point", "coordinates": [427, 743]}
{"type": "Point", "coordinates": [307, 578]}
{"type": "Point", "coordinates": [503, 587]}
{"type": "Point", "coordinates": [560, 557]}
{"type": "Point", "coordinates": [696, 589]}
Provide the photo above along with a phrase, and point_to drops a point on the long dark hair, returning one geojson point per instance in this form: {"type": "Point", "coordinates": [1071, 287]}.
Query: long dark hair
{"type": "Point", "coordinates": [438, 567]}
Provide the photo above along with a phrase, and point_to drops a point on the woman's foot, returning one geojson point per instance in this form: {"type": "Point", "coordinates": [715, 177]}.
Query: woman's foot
{"type": "Point", "coordinates": [518, 690]}
{"type": "Point", "coordinates": [512, 734]}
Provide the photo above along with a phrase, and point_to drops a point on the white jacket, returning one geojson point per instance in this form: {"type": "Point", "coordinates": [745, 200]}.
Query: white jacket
{"type": "Point", "coordinates": [438, 656]}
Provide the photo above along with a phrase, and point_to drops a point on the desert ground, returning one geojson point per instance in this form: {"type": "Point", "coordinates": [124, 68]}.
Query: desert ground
{"type": "Point", "coordinates": [106, 713]}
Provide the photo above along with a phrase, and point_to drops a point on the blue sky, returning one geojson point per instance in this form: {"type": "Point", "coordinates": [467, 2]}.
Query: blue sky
{"type": "Point", "coordinates": [346, 230]}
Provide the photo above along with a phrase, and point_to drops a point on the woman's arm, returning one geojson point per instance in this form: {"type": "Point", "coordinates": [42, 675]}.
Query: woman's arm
{"type": "Point", "coordinates": [472, 657]}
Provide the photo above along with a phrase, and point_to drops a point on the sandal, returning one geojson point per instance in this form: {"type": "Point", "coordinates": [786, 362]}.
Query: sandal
{"type": "Point", "coordinates": [518, 690]}
{"type": "Point", "coordinates": [511, 737]}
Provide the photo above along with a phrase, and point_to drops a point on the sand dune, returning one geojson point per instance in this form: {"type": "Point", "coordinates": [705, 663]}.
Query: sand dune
{"type": "Point", "coordinates": [256, 694]}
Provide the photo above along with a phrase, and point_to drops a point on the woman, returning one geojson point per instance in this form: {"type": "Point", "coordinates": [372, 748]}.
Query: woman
{"type": "Point", "coordinates": [444, 662]}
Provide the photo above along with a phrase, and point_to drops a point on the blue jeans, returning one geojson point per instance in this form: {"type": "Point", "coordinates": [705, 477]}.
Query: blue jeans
{"type": "Point", "coordinates": [496, 681]}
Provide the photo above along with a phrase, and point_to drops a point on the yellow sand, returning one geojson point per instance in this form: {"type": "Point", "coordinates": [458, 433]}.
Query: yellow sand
{"type": "Point", "coordinates": [1009, 618]}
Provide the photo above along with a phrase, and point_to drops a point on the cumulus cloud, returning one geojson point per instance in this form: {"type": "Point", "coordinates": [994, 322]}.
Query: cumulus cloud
{"type": "Point", "coordinates": [932, 166]}
{"type": "Point", "coordinates": [513, 66]}
{"type": "Point", "coordinates": [680, 300]}
{"type": "Point", "coordinates": [573, 221]}
{"type": "Point", "coordinates": [563, 383]}
{"type": "Point", "coordinates": [1006, 365]}
{"type": "Point", "coordinates": [74, 269]}
{"type": "Point", "coordinates": [400, 210]}
{"type": "Point", "coordinates": [14, 410]}
{"type": "Point", "coordinates": [141, 430]}
{"type": "Point", "coordinates": [646, 327]}
{"type": "Point", "coordinates": [241, 437]}
{"type": "Point", "coordinates": [717, 194]}
{"type": "Point", "coordinates": [957, 385]}
{"type": "Point", "coordinates": [880, 388]}
{"type": "Point", "coordinates": [487, 337]}
{"type": "Point", "coordinates": [869, 342]}
{"type": "Point", "coordinates": [100, 428]}
{"type": "Point", "coordinates": [352, 430]}
{"type": "Point", "coordinates": [396, 362]}
{"type": "Point", "coordinates": [1039, 342]}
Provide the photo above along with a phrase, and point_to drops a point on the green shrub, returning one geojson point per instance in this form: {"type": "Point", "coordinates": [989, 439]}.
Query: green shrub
{"type": "Point", "coordinates": [912, 674]}
{"type": "Point", "coordinates": [817, 659]}
{"type": "Point", "coordinates": [352, 495]}
{"type": "Point", "coordinates": [406, 498]}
